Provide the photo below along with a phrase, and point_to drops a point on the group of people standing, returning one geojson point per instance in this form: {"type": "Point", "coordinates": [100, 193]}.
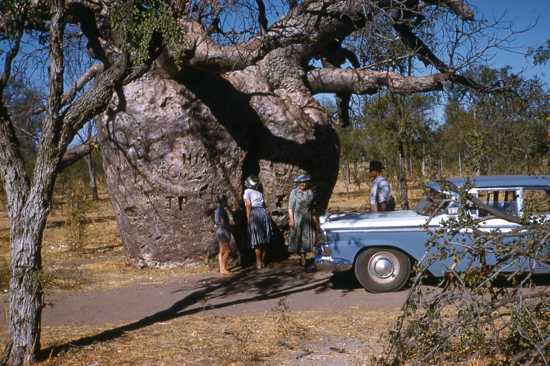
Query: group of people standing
{"type": "Point", "coordinates": [303, 221]}
{"type": "Point", "coordinates": [303, 216]}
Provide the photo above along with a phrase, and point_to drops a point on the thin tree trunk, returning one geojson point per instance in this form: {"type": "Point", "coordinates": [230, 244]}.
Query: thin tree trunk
{"type": "Point", "coordinates": [347, 176]}
{"type": "Point", "coordinates": [92, 175]}
{"type": "Point", "coordinates": [460, 168]}
{"type": "Point", "coordinates": [25, 295]}
{"type": "Point", "coordinates": [403, 180]}
{"type": "Point", "coordinates": [423, 160]}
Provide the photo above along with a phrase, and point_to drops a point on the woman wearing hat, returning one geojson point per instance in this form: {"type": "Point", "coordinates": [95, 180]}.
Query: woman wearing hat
{"type": "Point", "coordinates": [259, 223]}
{"type": "Point", "coordinates": [303, 222]}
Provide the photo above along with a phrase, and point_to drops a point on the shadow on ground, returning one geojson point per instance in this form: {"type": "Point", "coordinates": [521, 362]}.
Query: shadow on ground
{"type": "Point", "coordinates": [247, 285]}
{"type": "Point", "coordinates": [277, 281]}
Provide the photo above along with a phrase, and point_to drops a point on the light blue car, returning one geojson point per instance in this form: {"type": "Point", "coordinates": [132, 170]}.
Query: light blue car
{"type": "Point", "coordinates": [382, 247]}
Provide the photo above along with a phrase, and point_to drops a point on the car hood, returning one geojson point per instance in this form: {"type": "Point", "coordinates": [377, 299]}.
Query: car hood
{"type": "Point", "coordinates": [357, 220]}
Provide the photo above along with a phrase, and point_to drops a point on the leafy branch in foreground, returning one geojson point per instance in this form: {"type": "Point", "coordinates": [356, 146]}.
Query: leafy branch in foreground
{"type": "Point", "coordinates": [488, 307]}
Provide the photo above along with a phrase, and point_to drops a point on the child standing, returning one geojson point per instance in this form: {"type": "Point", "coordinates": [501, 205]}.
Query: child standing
{"type": "Point", "coordinates": [223, 233]}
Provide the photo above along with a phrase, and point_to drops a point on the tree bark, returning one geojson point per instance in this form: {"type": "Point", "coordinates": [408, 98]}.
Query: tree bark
{"type": "Point", "coordinates": [402, 178]}
{"type": "Point", "coordinates": [181, 142]}
{"type": "Point", "coordinates": [25, 295]}
{"type": "Point", "coordinates": [92, 176]}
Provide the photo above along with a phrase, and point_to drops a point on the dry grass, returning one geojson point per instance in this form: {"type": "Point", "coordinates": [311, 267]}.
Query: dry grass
{"type": "Point", "coordinates": [236, 340]}
{"type": "Point", "coordinates": [99, 262]}
{"type": "Point", "coordinates": [358, 199]}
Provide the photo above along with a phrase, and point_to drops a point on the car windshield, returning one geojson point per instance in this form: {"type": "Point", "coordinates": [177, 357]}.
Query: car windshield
{"type": "Point", "coordinates": [432, 201]}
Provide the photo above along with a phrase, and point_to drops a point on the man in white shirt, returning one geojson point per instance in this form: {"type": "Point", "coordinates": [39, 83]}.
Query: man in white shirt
{"type": "Point", "coordinates": [380, 192]}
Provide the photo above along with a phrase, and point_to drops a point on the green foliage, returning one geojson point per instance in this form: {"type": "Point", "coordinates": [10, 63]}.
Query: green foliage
{"type": "Point", "coordinates": [138, 23]}
{"type": "Point", "coordinates": [503, 133]}
{"type": "Point", "coordinates": [541, 55]}
{"type": "Point", "coordinates": [394, 125]}
{"type": "Point", "coordinates": [481, 133]}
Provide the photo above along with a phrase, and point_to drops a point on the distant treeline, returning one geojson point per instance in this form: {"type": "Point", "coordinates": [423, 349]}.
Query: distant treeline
{"type": "Point", "coordinates": [463, 133]}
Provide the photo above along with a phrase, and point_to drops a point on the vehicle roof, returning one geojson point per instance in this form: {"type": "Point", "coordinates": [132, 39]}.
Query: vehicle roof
{"type": "Point", "coordinates": [499, 181]}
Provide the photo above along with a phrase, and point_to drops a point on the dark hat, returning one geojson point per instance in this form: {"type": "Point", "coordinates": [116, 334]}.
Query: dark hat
{"type": "Point", "coordinates": [302, 178]}
{"type": "Point", "coordinates": [252, 182]}
{"type": "Point", "coordinates": [375, 165]}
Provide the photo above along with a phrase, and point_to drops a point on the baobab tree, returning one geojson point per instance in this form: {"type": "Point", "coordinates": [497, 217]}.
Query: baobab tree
{"type": "Point", "coordinates": [192, 96]}
{"type": "Point", "coordinates": [235, 96]}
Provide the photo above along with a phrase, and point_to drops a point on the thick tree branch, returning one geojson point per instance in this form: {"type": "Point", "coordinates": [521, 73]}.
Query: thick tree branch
{"type": "Point", "coordinates": [95, 100]}
{"type": "Point", "coordinates": [335, 56]}
{"type": "Point", "coordinates": [362, 81]}
{"type": "Point", "coordinates": [314, 23]}
{"type": "Point", "coordinates": [88, 24]}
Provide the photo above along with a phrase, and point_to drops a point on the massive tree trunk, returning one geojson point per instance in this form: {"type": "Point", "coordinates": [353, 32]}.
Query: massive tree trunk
{"type": "Point", "coordinates": [181, 140]}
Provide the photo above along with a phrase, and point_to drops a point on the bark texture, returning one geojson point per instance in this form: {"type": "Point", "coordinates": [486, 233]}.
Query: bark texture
{"type": "Point", "coordinates": [165, 157]}
{"type": "Point", "coordinates": [179, 143]}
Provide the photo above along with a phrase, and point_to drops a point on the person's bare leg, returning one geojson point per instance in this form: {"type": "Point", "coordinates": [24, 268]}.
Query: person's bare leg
{"type": "Point", "coordinates": [225, 258]}
{"type": "Point", "coordinates": [264, 250]}
{"type": "Point", "coordinates": [222, 257]}
{"type": "Point", "coordinates": [258, 252]}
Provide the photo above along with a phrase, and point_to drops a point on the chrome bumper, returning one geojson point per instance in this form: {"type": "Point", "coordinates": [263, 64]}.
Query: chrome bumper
{"type": "Point", "coordinates": [330, 264]}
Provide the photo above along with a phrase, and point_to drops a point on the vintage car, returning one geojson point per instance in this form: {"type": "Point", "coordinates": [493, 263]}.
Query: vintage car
{"type": "Point", "coordinates": [382, 247]}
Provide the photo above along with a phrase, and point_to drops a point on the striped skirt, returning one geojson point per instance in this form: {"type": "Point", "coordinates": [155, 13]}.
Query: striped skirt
{"type": "Point", "coordinates": [259, 227]}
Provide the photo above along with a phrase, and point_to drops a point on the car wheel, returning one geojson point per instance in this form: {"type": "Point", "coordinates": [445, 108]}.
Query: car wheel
{"type": "Point", "coordinates": [382, 270]}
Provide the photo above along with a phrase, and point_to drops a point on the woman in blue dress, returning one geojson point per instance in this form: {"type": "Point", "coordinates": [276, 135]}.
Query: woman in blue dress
{"type": "Point", "coordinates": [302, 218]}
{"type": "Point", "coordinates": [259, 222]}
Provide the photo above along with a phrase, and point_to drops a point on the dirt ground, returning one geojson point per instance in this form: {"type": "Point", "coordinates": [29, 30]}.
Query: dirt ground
{"type": "Point", "coordinates": [100, 311]}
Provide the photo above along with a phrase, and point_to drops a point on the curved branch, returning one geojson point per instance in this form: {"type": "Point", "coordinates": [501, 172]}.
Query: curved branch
{"type": "Point", "coordinates": [71, 156]}
{"type": "Point", "coordinates": [363, 81]}
{"type": "Point", "coordinates": [313, 23]}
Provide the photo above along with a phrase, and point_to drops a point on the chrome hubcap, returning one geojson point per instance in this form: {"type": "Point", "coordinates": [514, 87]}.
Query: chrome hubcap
{"type": "Point", "coordinates": [383, 267]}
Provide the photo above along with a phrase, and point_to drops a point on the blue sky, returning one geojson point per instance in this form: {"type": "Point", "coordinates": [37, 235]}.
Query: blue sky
{"type": "Point", "coordinates": [522, 14]}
